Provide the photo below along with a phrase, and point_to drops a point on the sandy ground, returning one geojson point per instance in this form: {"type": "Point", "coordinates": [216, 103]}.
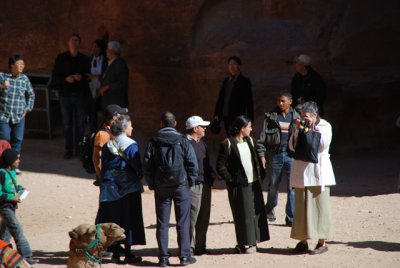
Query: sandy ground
{"type": "Point", "coordinates": [365, 203]}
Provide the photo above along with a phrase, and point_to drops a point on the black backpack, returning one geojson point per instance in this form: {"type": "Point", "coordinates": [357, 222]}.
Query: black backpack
{"type": "Point", "coordinates": [170, 163]}
{"type": "Point", "coordinates": [86, 147]}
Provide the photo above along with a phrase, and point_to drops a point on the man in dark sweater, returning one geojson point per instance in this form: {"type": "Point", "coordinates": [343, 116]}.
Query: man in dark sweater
{"type": "Point", "coordinates": [201, 190]}
{"type": "Point", "coordinates": [307, 84]}
{"type": "Point", "coordinates": [69, 77]}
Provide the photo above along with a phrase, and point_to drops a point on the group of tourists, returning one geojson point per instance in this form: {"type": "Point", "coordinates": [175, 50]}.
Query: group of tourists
{"type": "Point", "coordinates": [177, 166]}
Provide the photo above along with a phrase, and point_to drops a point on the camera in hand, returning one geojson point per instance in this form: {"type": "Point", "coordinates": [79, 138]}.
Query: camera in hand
{"type": "Point", "coordinates": [304, 122]}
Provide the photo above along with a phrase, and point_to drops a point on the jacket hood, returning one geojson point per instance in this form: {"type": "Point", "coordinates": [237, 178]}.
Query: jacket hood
{"type": "Point", "coordinates": [119, 143]}
{"type": "Point", "coordinates": [168, 135]}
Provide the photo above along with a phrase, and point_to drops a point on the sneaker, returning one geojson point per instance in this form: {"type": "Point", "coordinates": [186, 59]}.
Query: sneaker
{"type": "Point", "coordinates": [18, 171]}
{"type": "Point", "coordinates": [288, 222]}
{"type": "Point", "coordinates": [187, 260]}
{"type": "Point", "coordinates": [250, 249]}
{"type": "Point", "coordinates": [163, 262]}
{"type": "Point", "coordinates": [31, 260]}
{"type": "Point", "coordinates": [271, 217]}
{"type": "Point", "coordinates": [319, 249]}
{"type": "Point", "coordinates": [300, 248]}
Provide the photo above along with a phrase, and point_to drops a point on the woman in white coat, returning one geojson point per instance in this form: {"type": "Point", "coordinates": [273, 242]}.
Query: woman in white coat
{"type": "Point", "coordinates": [312, 217]}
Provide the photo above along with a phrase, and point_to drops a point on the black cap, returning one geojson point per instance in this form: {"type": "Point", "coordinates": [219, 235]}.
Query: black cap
{"type": "Point", "coordinates": [114, 109]}
{"type": "Point", "coordinates": [9, 156]}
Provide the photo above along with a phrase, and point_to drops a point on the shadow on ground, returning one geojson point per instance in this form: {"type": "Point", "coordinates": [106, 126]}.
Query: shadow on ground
{"type": "Point", "coordinates": [51, 258]}
{"type": "Point", "coordinates": [362, 172]}
{"type": "Point", "coordinates": [375, 245]}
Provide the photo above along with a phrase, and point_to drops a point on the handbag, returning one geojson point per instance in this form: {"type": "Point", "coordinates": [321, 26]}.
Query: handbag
{"type": "Point", "coordinates": [306, 148]}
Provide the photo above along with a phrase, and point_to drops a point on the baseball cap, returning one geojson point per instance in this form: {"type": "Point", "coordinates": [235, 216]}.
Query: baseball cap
{"type": "Point", "coordinates": [195, 121]}
{"type": "Point", "coordinates": [114, 109]}
{"type": "Point", "coordinates": [302, 59]}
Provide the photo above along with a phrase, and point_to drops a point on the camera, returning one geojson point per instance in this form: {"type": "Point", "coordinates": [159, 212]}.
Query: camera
{"type": "Point", "coordinates": [304, 122]}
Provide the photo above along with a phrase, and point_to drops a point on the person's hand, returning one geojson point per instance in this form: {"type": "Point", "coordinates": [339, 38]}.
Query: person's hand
{"type": "Point", "coordinates": [5, 84]}
{"type": "Point", "coordinates": [264, 162]}
{"type": "Point", "coordinates": [77, 77]}
{"type": "Point", "coordinates": [297, 122]}
{"type": "Point", "coordinates": [102, 90]}
{"type": "Point", "coordinates": [15, 199]}
{"type": "Point", "coordinates": [70, 79]}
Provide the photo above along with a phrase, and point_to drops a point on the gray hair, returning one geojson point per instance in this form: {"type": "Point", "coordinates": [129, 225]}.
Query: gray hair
{"type": "Point", "coordinates": [120, 125]}
{"type": "Point", "coordinates": [114, 46]}
{"type": "Point", "coordinates": [308, 107]}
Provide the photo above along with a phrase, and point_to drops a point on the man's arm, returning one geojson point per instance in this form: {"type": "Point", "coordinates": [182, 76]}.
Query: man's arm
{"type": "Point", "coordinates": [149, 166]}
{"type": "Point", "coordinates": [190, 161]}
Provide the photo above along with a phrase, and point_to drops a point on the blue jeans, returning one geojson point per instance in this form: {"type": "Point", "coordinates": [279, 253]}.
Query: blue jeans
{"type": "Point", "coordinates": [181, 197]}
{"type": "Point", "coordinates": [14, 133]}
{"type": "Point", "coordinates": [279, 166]}
{"type": "Point", "coordinates": [10, 227]}
{"type": "Point", "coordinates": [73, 105]}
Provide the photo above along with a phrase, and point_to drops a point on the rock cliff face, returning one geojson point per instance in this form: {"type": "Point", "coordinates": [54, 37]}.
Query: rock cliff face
{"type": "Point", "coordinates": [177, 52]}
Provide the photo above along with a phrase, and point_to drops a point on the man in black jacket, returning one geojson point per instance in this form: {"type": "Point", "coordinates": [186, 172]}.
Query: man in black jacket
{"type": "Point", "coordinates": [235, 97]}
{"type": "Point", "coordinates": [70, 79]}
{"type": "Point", "coordinates": [114, 82]}
{"type": "Point", "coordinates": [272, 147]}
{"type": "Point", "coordinates": [170, 168]}
{"type": "Point", "coordinates": [307, 84]}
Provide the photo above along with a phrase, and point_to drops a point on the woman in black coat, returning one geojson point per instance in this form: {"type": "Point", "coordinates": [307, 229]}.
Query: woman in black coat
{"type": "Point", "coordinates": [239, 165]}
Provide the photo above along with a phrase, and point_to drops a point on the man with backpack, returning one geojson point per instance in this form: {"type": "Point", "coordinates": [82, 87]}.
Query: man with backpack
{"type": "Point", "coordinates": [170, 168]}
{"type": "Point", "coordinates": [111, 113]}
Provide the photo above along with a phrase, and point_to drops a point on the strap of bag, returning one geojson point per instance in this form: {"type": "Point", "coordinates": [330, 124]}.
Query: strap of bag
{"type": "Point", "coordinates": [122, 155]}
{"type": "Point", "coordinates": [13, 181]}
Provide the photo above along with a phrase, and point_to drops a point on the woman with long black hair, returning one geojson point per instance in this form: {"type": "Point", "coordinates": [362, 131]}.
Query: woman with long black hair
{"type": "Point", "coordinates": [239, 165]}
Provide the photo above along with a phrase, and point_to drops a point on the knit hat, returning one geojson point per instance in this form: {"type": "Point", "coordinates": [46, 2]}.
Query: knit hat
{"type": "Point", "coordinates": [9, 156]}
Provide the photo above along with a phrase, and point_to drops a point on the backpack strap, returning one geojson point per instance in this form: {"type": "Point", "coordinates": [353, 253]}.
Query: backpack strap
{"type": "Point", "coordinates": [13, 181]}
{"type": "Point", "coordinates": [122, 155]}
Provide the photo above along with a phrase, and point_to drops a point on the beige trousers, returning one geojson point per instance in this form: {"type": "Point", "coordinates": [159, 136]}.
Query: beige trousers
{"type": "Point", "coordinates": [312, 216]}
